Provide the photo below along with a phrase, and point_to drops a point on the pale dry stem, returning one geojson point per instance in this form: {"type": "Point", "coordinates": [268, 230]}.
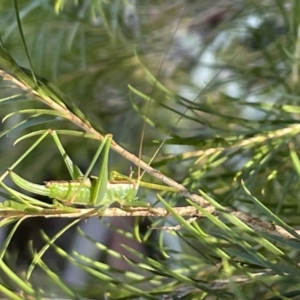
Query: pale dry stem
{"type": "Point", "coordinates": [185, 211]}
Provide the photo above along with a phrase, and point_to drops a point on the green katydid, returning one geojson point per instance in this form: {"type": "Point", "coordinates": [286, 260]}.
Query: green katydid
{"type": "Point", "coordinates": [90, 190]}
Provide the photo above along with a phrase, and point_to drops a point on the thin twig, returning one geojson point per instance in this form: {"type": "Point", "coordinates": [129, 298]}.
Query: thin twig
{"type": "Point", "coordinates": [185, 211]}
{"type": "Point", "coordinates": [108, 212]}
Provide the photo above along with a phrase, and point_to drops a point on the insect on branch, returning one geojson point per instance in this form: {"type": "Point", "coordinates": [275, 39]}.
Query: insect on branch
{"type": "Point", "coordinates": [73, 114]}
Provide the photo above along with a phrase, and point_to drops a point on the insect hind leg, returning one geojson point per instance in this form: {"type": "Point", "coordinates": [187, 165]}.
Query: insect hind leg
{"type": "Point", "coordinates": [73, 169]}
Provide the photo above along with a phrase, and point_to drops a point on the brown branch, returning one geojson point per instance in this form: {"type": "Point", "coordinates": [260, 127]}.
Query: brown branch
{"type": "Point", "coordinates": [184, 211]}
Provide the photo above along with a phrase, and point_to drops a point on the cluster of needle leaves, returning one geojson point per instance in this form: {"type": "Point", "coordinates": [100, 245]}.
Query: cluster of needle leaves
{"type": "Point", "coordinates": [233, 233]}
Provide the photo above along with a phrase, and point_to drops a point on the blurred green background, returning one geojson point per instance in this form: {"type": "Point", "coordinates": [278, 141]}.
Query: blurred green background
{"type": "Point", "coordinates": [219, 81]}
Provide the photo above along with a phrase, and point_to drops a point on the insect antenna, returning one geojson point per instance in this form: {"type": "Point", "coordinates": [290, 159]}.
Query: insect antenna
{"type": "Point", "coordinates": [144, 115]}
{"type": "Point", "coordinates": [173, 127]}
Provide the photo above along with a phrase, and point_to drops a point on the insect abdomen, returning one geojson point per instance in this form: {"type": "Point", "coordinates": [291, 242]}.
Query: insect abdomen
{"type": "Point", "coordinates": [76, 192]}
{"type": "Point", "coordinates": [121, 192]}
{"type": "Point", "coordinates": [70, 191]}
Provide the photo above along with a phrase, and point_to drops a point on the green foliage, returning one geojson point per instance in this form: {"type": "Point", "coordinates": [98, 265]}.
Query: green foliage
{"type": "Point", "coordinates": [126, 70]}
